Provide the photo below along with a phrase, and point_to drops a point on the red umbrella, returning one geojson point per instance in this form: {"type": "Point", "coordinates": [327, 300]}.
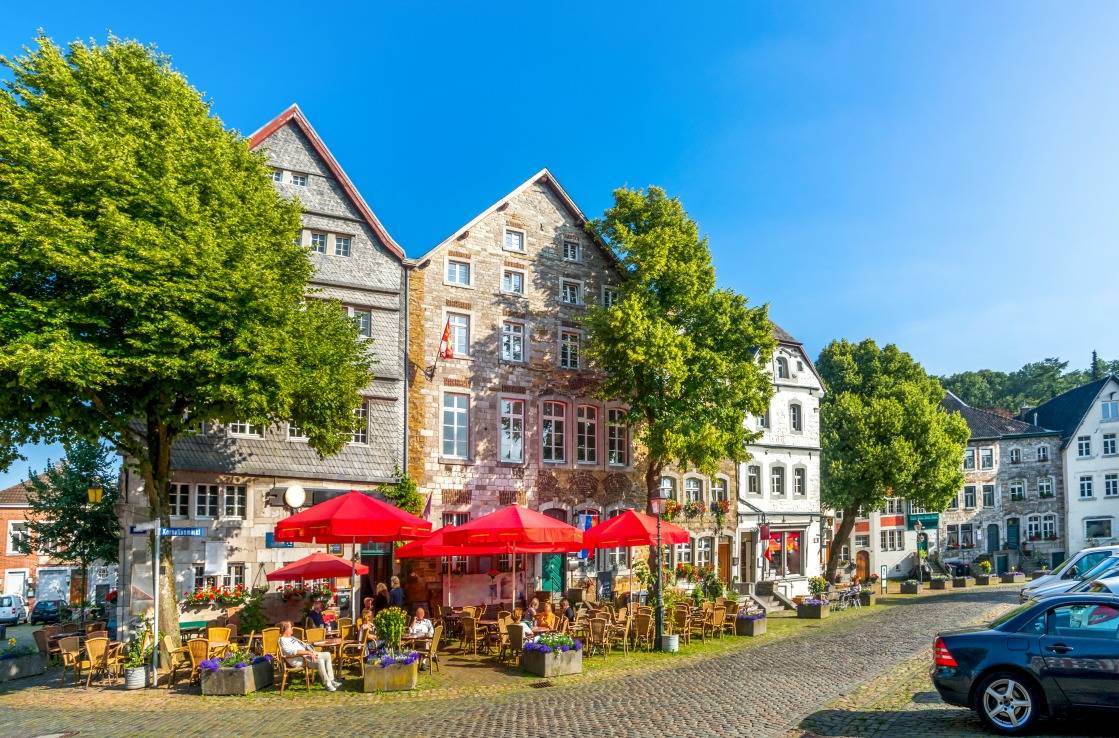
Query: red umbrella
{"type": "Point", "coordinates": [437, 545]}
{"type": "Point", "coordinates": [316, 566]}
{"type": "Point", "coordinates": [352, 517]}
{"type": "Point", "coordinates": [633, 528]}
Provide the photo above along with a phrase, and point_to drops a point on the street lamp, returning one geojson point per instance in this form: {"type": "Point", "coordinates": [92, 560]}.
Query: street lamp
{"type": "Point", "coordinates": [657, 502]}
{"type": "Point", "coordinates": [95, 494]}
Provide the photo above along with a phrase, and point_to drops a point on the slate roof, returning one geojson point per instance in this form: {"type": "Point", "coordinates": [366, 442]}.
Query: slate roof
{"type": "Point", "coordinates": [16, 494]}
{"type": "Point", "coordinates": [1065, 411]}
{"type": "Point", "coordinates": [987, 425]}
{"type": "Point", "coordinates": [783, 336]}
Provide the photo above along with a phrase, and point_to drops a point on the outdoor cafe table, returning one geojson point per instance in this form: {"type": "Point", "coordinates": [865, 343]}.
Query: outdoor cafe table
{"type": "Point", "coordinates": [331, 643]}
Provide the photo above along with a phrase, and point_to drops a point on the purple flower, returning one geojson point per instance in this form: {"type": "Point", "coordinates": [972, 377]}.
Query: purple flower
{"type": "Point", "coordinates": [210, 664]}
{"type": "Point", "coordinates": [387, 661]}
{"type": "Point", "coordinates": [578, 645]}
{"type": "Point", "coordinates": [564, 648]}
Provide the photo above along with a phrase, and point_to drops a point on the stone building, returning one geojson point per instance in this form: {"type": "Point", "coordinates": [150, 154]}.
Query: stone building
{"type": "Point", "coordinates": [1012, 501]}
{"type": "Point", "coordinates": [237, 481]}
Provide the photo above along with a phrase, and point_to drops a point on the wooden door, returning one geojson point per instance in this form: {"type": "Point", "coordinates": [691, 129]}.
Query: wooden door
{"type": "Point", "coordinates": [992, 537]}
{"type": "Point", "coordinates": [862, 565]}
{"type": "Point", "coordinates": [724, 560]}
{"type": "Point", "coordinates": [746, 558]}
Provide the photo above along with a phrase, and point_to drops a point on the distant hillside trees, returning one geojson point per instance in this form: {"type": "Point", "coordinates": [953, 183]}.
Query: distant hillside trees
{"type": "Point", "coordinates": [1029, 386]}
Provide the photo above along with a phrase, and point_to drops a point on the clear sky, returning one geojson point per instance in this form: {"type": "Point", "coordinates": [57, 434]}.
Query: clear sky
{"type": "Point", "coordinates": [938, 175]}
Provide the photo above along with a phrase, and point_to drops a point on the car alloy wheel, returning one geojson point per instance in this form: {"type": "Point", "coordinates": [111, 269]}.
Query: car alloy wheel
{"type": "Point", "coordinates": [1007, 704]}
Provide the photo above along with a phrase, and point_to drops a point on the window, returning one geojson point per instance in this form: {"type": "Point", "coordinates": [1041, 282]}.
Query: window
{"type": "Point", "coordinates": [570, 250]}
{"type": "Point", "coordinates": [1033, 528]}
{"type": "Point", "coordinates": [693, 490]}
{"type": "Point", "coordinates": [1045, 487]}
{"type": "Point", "coordinates": [1015, 456]}
{"type": "Point", "coordinates": [703, 552]}
{"type": "Point", "coordinates": [295, 432]}
{"type": "Point", "coordinates": [586, 434]}
{"type": "Point", "coordinates": [891, 539]}
{"type": "Point", "coordinates": [782, 367]}
{"type": "Point", "coordinates": [1049, 527]}
{"type": "Point", "coordinates": [954, 503]}
{"type": "Point", "coordinates": [895, 505]}
{"type": "Point", "coordinates": [1111, 485]}
{"type": "Point", "coordinates": [1097, 528]}
{"type": "Point", "coordinates": [245, 428]}
{"type": "Point", "coordinates": [800, 482]}
{"type": "Point", "coordinates": [986, 458]}
{"type": "Point", "coordinates": [1083, 446]}
{"type": "Point", "coordinates": [18, 535]}
{"type": "Point", "coordinates": [796, 422]}
{"type": "Point", "coordinates": [988, 495]}
{"type": "Point", "coordinates": [610, 558]}
{"type": "Point", "coordinates": [512, 430]}
{"type": "Point", "coordinates": [458, 272]}
{"type": "Point", "coordinates": [514, 240]}
{"type": "Point", "coordinates": [569, 350]}
{"type": "Point", "coordinates": [966, 538]}
{"type": "Point", "coordinates": [513, 282]}
{"type": "Point", "coordinates": [1110, 410]}
{"type": "Point", "coordinates": [277, 175]}
{"type": "Point", "coordinates": [179, 497]}
{"type": "Point", "coordinates": [206, 501]}
{"type": "Point", "coordinates": [455, 518]}
{"type": "Point", "coordinates": [609, 296]}
{"type": "Point", "coordinates": [512, 341]}
{"type": "Point", "coordinates": [1085, 486]}
{"type": "Point", "coordinates": [364, 321]}
{"type": "Point", "coordinates": [318, 243]}
{"type": "Point", "coordinates": [777, 481]}
{"type": "Point", "coordinates": [719, 489]}
{"type": "Point", "coordinates": [1108, 444]}
{"type": "Point", "coordinates": [571, 292]}
{"type": "Point", "coordinates": [1042, 453]}
{"type": "Point", "coordinates": [460, 333]}
{"type": "Point", "coordinates": [201, 579]}
{"type": "Point", "coordinates": [617, 438]}
{"type": "Point", "coordinates": [753, 480]}
{"type": "Point", "coordinates": [862, 541]}
{"type": "Point", "coordinates": [784, 553]}
{"type": "Point", "coordinates": [299, 180]}
{"type": "Point", "coordinates": [1017, 491]}
{"type": "Point", "coordinates": [234, 575]}
{"type": "Point", "coordinates": [341, 245]}
{"type": "Point", "coordinates": [953, 536]}
{"type": "Point", "coordinates": [969, 458]}
{"type": "Point", "coordinates": [969, 496]}
{"type": "Point", "coordinates": [683, 553]}
{"type": "Point", "coordinates": [668, 488]}
{"type": "Point", "coordinates": [361, 423]}
{"type": "Point", "coordinates": [553, 438]}
{"type": "Point", "coordinates": [456, 419]}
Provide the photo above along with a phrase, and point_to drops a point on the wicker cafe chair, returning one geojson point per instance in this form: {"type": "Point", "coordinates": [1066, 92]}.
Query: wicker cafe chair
{"type": "Point", "coordinates": [680, 625]}
{"type": "Point", "coordinates": [433, 648]}
{"type": "Point", "coordinates": [94, 626]}
{"type": "Point", "coordinates": [643, 631]}
{"type": "Point", "coordinates": [70, 649]}
{"type": "Point", "coordinates": [42, 643]}
{"type": "Point", "coordinates": [309, 672]}
{"type": "Point", "coordinates": [174, 660]}
{"type": "Point", "coordinates": [597, 638]}
{"type": "Point", "coordinates": [298, 633]}
{"type": "Point", "coordinates": [270, 642]}
{"type": "Point", "coordinates": [618, 633]}
{"type": "Point", "coordinates": [501, 636]}
{"type": "Point", "coordinates": [471, 636]}
{"type": "Point", "coordinates": [515, 641]}
{"type": "Point", "coordinates": [718, 621]}
{"type": "Point", "coordinates": [198, 649]}
{"type": "Point", "coordinates": [219, 634]}
{"type": "Point", "coordinates": [313, 635]}
{"type": "Point", "coordinates": [732, 613]}
{"type": "Point", "coordinates": [697, 618]}
{"type": "Point", "coordinates": [99, 658]}
{"type": "Point", "coordinates": [353, 654]}
{"type": "Point", "coordinates": [97, 634]}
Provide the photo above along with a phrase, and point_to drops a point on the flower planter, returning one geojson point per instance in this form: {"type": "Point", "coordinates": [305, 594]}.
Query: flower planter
{"type": "Point", "coordinates": [938, 584]}
{"type": "Point", "coordinates": [960, 582]}
{"type": "Point", "coordinates": [670, 643]}
{"type": "Point", "coordinates": [394, 678]}
{"type": "Point", "coordinates": [22, 666]}
{"type": "Point", "coordinates": [749, 627]}
{"type": "Point", "coordinates": [867, 598]}
{"type": "Point", "coordinates": [1039, 574]}
{"type": "Point", "coordinates": [231, 680]}
{"type": "Point", "coordinates": [813, 612]}
{"type": "Point", "coordinates": [910, 588]}
{"type": "Point", "coordinates": [556, 663]}
{"type": "Point", "coordinates": [1012, 577]}
{"type": "Point", "coordinates": [135, 677]}
{"type": "Point", "coordinates": [983, 579]}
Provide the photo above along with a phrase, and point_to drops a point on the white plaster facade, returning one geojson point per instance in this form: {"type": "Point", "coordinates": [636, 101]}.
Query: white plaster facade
{"type": "Point", "coordinates": [1091, 472]}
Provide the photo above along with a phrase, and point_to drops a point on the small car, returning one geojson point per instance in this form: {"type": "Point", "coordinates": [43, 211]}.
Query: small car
{"type": "Point", "coordinates": [1073, 567]}
{"type": "Point", "coordinates": [46, 611]}
{"type": "Point", "coordinates": [13, 610]}
{"type": "Point", "coordinates": [1107, 567]}
{"type": "Point", "coordinates": [1044, 658]}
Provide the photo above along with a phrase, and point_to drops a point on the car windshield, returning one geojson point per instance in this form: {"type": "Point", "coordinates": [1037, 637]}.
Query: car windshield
{"type": "Point", "coordinates": [48, 605]}
{"type": "Point", "coordinates": [1008, 616]}
{"type": "Point", "coordinates": [1100, 568]}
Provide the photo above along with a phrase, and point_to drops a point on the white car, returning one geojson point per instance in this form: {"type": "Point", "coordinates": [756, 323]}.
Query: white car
{"type": "Point", "coordinates": [13, 610]}
{"type": "Point", "coordinates": [1109, 585]}
{"type": "Point", "coordinates": [1105, 568]}
{"type": "Point", "coordinates": [1074, 567]}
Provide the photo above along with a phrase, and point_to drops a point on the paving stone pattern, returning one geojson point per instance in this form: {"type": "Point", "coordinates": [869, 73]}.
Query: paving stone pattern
{"type": "Point", "coordinates": [761, 691]}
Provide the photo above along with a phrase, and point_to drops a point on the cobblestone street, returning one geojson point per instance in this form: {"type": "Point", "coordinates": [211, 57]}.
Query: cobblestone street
{"type": "Point", "coordinates": [766, 690]}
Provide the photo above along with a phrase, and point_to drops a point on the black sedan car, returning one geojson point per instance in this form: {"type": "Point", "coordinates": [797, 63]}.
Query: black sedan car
{"type": "Point", "coordinates": [46, 611]}
{"type": "Point", "coordinates": [1040, 659]}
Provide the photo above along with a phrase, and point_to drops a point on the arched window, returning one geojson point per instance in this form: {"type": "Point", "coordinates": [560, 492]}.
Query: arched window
{"type": "Point", "coordinates": [777, 480]}
{"type": "Point", "coordinates": [668, 488]}
{"type": "Point", "coordinates": [782, 367]}
{"type": "Point", "coordinates": [693, 489]}
{"type": "Point", "coordinates": [719, 489]}
{"type": "Point", "coordinates": [796, 417]}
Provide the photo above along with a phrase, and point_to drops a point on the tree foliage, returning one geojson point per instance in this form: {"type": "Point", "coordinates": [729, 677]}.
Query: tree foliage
{"type": "Point", "coordinates": [884, 434]}
{"type": "Point", "coordinates": [404, 493]}
{"type": "Point", "coordinates": [148, 271]}
{"type": "Point", "coordinates": [1027, 387]}
{"type": "Point", "coordinates": [686, 358]}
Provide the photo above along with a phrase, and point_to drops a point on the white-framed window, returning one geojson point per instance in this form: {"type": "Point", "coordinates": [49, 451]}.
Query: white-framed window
{"type": "Point", "coordinates": [586, 434]}
{"type": "Point", "coordinates": [179, 497]}
{"type": "Point", "coordinates": [234, 575]}
{"type": "Point", "coordinates": [703, 551]}
{"type": "Point", "coordinates": [512, 430]}
{"type": "Point", "coordinates": [363, 318]}
{"type": "Point", "coordinates": [668, 488]}
{"type": "Point", "coordinates": [277, 175]}
{"type": "Point", "coordinates": [18, 533]}
{"type": "Point", "coordinates": [460, 333]}
{"type": "Point", "coordinates": [245, 429]}
{"type": "Point", "coordinates": [513, 281]}
{"type": "Point", "coordinates": [235, 498]}
{"type": "Point", "coordinates": [988, 495]}
{"type": "Point", "coordinates": [553, 436]}
{"type": "Point", "coordinates": [1109, 410]}
{"type": "Point", "coordinates": [1083, 446]}
{"type": "Point", "coordinates": [800, 481]}
{"type": "Point", "coordinates": [1097, 528]}
{"type": "Point", "coordinates": [782, 367]}
{"type": "Point", "coordinates": [796, 418]}
{"type": "Point", "coordinates": [954, 503]}
{"type": "Point", "coordinates": [719, 489]}
{"type": "Point", "coordinates": [1109, 446]}
{"type": "Point", "coordinates": [1049, 527]}
{"type": "Point", "coordinates": [1017, 491]}
{"type": "Point", "coordinates": [969, 458]}
{"type": "Point", "coordinates": [777, 480]}
{"type": "Point", "coordinates": [1111, 485]}
{"type": "Point", "coordinates": [1043, 453]}
{"type": "Point", "coordinates": [571, 292]}
{"type": "Point", "coordinates": [609, 296]}
{"type": "Point", "coordinates": [1045, 487]}
{"type": "Point", "coordinates": [608, 558]}
{"type": "Point", "coordinates": [512, 341]}
{"type": "Point", "coordinates": [753, 479]}
{"type": "Point", "coordinates": [318, 242]}
{"type": "Point", "coordinates": [299, 180]}
{"type": "Point", "coordinates": [862, 540]}
{"type": "Point", "coordinates": [514, 240]}
{"type": "Point", "coordinates": [1033, 527]}
{"type": "Point", "coordinates": [1085, 485]}
{"type": "Point", "coordinates": [456, 425]}
{"type": "Point", "coordinates": [361, 423]}
{"type": "Point", "coordinates": [617, 437]}
{"type": "Point", "coordinates": [569, 349]}
{"type": "Point", "coordinates": [571, 249]}
{"type": "Point", "coordinates": [458, 272]}
{"type": "Point", "coordinates": [295, 432]}
{"type": "Point", "coordinates": [986, 458]}
{"type": "Point", "coordinates": [202, 579]}
{"type": "Point", "coordinates": [206, 500]}
{"type": "Point", "coordinates": [693, 490]}
{"type": "Point", "coordinates": [1015, 456]}
{"type": "Point", "coordinates": [763, 420]}
{"type": "Point", "coordinates": [341, 245]}
{"type": "Point", "coordinates": [684, 553]}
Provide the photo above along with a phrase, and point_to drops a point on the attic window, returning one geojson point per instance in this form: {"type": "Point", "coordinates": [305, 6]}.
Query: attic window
{"type": "Point", "coordinates": [277, 175]}
{"type": "Point", "coordinates": [299, 180]}
{"type": "Point", "coordinates": [514, 240]}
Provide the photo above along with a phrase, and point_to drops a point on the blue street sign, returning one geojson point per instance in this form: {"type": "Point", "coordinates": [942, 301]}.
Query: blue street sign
{"type": "Point", "coordinates": [271, 542]}
{"type": "Point", "coordinates": [194, 532]}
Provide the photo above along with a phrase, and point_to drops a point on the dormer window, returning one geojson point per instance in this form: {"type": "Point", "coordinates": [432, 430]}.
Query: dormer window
{"type": "Point", "coordinates": [782, 367]}
{"type": "Point", "coordinates": [277, 175]}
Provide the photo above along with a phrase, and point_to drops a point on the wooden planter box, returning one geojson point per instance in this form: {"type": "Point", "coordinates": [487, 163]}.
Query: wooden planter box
{"type": "Point", "coordinates": [395, 678]}
{"type": "Point", "coordinates": [910, 589]}
{"type": "Point", "coordinates": [1012, 577]}
{"type": "Point", "coordinates": [983, 579]}
{"type": "Point", "coordinates": [744, 627]}
{"type": "Point", "coordinates": [960, 582]}
{"type": "Point", "coordinates": [938, 584]}
{"type": "Point", "coordinates": [867, 598]}
{"type": "Point", "coordinates": [23, 666]}
{"type": "Point", "coordinates": [231, 680]}
{"type": "Point", "coordinates": [1039, 574]}
{"type": "Point", "coordinates": [552, 664]}
{"type": "Point", "coordinates": [813, 612]}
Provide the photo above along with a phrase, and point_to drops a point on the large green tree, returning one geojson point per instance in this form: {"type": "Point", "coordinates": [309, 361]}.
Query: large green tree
{"type": "Point", "coordinates": [1029, 386]}
{"type": "Point", "coordinates": [148, 276]}
{"type": "Point", "coordinates": [884, 434]}
{"type": "Point", "coordinates": [687, 359]}
{"type": "Point", "coordinates": [65, 523]}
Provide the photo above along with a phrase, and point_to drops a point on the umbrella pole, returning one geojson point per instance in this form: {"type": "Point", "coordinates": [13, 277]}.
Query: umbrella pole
{"type": "Point", "coordinates": [353, 581]}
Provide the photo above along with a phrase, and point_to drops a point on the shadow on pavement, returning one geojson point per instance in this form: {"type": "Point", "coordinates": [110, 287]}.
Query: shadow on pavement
{"type": "Point", "coordinates": [941, 722]}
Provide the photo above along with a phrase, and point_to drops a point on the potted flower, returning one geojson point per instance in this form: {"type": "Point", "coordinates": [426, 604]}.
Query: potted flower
{"type": "Point", "coordinates": [747, 624]}
{"type": "Point", "coordinates": [693, 509]}
{"type": "Point", "coordinates": [136, 660]}
{"type": "Point", "coordinates": [938, 581]}
{"type": "Point", "coordinates": [1013, 576]}
{"type": "Point", "coordinates": [391, 669]}
{"type": "Point", "coordinates": [960, 582]}
{"type": "Point", "coordinates": [671, 508]}
{"type": "Point", "coordinates": [910, 587]}
{"type": "Point", "coordinates": [814, 608]}
{"type": "Point", "coordinates": [239, 672]}
{"type": "Point", "coordinates": [984, 575]}
{"type": "Point", "coordinates": [553, 654]}
{"type": "Point", "coordinates": [17, 662]}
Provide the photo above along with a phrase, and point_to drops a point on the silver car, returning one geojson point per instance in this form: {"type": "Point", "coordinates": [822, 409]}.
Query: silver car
{"type": "Point", "coordinates": [1105, 568]}
{"type": "Point", "coordinates": [13, 610]}
{"type": "Point", "coordinates": [1072, 570]}
{"type": "Point", "coordinates": [1109, 585]}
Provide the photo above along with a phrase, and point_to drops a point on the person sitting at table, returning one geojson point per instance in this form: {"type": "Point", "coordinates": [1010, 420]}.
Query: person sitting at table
{"type": "Point", "coordinates": [296, 653]}
{"type": "Point", "coordinates": [396, 594]}
{"type": "Point", "coordinates": [567, 610]}
{"type": "Point", "coordinates": [380, 598]}
{"type": "Point", "coordinates": [421, 626]}
{"type": "Point", "coordinates": [315, 615]}
{"type": "Point", "coordinates": [529, 615]}
{"type": "Point", "coordinates": [547, 618]}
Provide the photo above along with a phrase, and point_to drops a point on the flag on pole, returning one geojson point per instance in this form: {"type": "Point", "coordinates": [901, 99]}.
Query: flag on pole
{"type": "Point", "coordinates": [445, 350]}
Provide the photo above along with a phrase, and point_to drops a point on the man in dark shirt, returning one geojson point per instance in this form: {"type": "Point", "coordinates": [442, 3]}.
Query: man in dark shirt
{"type": "Point", "coordinates": [315, 615]}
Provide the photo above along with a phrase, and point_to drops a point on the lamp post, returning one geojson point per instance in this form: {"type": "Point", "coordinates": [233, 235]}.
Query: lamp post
{"type": "Point", "coordinates": [656, 502]}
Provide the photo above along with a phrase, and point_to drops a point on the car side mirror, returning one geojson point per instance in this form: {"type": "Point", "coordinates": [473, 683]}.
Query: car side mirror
{"type": "Point", "coordinates": [1072, 572]}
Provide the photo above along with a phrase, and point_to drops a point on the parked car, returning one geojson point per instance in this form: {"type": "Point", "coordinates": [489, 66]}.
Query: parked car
{"type": "Point", "coordinates": [1044, 658]}
{"type": "Point", "coordinates": [1072, 568]}
{"type": "Point", "coordinates": [13, 610]}
{"type": "Point", "coordinates": [46, 611]}
{"type": "Point", "coordinates": [1080, 583]}
{"type": "Point", "coordinates": [1110, 585]}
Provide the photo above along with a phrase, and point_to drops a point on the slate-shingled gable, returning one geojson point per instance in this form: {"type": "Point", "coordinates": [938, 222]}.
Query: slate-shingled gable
{"type": "Point", "coordinates": [1065, 411]}
{"type": "Point", "coordinates": [987, 425]}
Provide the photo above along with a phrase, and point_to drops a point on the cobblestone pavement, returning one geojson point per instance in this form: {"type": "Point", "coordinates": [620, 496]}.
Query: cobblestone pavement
{"type": "Point", "coordinates": [761, 691]}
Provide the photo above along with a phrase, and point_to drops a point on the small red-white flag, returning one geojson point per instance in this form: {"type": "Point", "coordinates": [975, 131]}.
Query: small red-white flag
{"type": "Point", "coordinates": [445, 350]}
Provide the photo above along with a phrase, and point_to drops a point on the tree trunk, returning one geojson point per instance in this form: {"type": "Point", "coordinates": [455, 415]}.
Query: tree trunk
{"type": "Point", "coordinates": [158, 482]}
{"type": "Point", "coordinates": [844, 533]}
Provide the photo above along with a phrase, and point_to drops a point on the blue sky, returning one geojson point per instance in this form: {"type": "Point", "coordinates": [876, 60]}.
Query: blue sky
{"type": "Point", "coordinates": [938, 175]}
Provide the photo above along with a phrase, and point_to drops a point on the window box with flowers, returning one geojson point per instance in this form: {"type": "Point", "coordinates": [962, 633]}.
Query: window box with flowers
{"type": "Point", "coordinates": [17, 662]}
{"type": "Point", "coordinates": [552, 655]}
{"type": "Point", "coordinates": [240, 672]}
{"type": "Point", "coordinates": [747, 624]}
{"type": "Point", "coordinates": [216, 597]}
{"type": "Point", "coordinates": [693, 509]}
{"type": "Point", "coordinates": [671, 510]}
